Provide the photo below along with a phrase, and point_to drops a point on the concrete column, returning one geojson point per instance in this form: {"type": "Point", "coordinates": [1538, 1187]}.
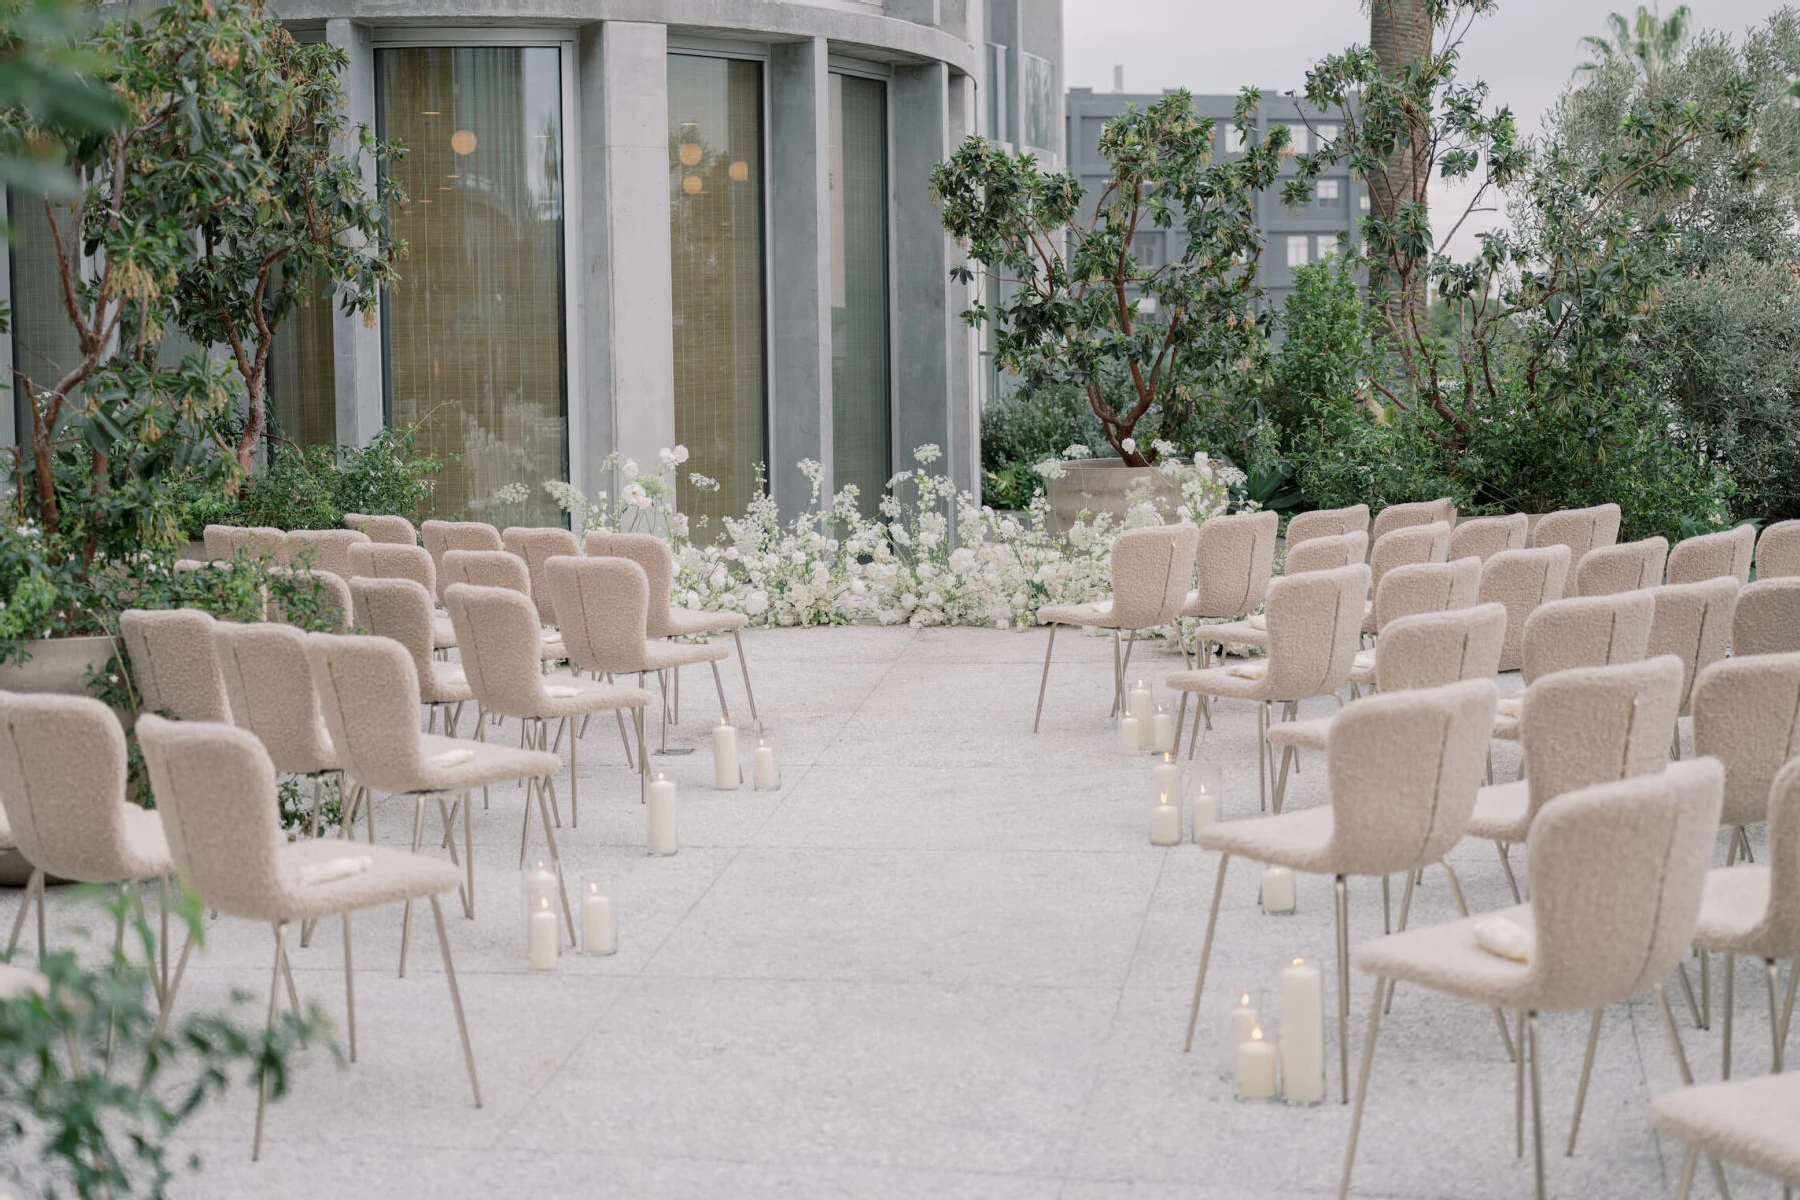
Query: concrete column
{"type": "Point", "coordinates": [962, 445]}
{"type": "Point", "coordinates": [800, 268]}
{"type": "Point", "coordinates": [629, 340]}
{"type": "Point", "coordinates": [924, 322]}
{"type": "Point", "coordinates": [356, 348]}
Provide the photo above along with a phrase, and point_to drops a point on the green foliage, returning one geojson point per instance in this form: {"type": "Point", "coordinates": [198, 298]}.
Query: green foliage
{"type": "Point", "coordinates": [1325, 360]}
{"type": "Point", "coordinates": [1072, 294]}
{"type": "Point", "coordinates": [92, 1091]}
{"type": "Point", "coordinates": [313, 487]}
{"type": "Point", "coordinates": [47, 74]}
{"type": "Point", "coordinates": [1025, 427]}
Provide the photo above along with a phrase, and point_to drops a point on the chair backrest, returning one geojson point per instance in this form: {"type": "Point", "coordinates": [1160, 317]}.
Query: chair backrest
{"type": "Point", "coordinates": [601, 604]}
{"type": "Point", "coordinates": [1767, 620]}
{"type": "Point", "coordinates": [1597, 724]}
{"type": "Point", "coordinates": [1580, 529]}
{"type": "Point", "coordinates": [486, 568]}
{"type": "Point", "coordinates": [271, 689]}
{"type": "Point", "coordinates": [1588, 631]}
{"type": "Point", "coordinates": [1151, 570]}
{"type": "Point", "coordinates": [537, 545]}
{"type": "Point", "coordinates": [1326, 553]}
{"type": "Point", "coordinates": [442, 536]}
{"type": "Point", "coordinates": [173, 663]}
{"type": "Point", "coordinates": [333, 593]}
{"type": "Point", "coordinates": [1622, 567]}
{"type": "Point", "coordinates": [1747, 715]}
{"type": "Point", "coordinates": [1484, 537]}
{"type": "Point", "coordinates": [1693, 622]}
{"type": "Point", "coordinates": [1406, 545]}
{"type": "Point", "coordinates": [1522, 580]}
{"type": "Point", "coordinates": [1315, 624]}
{"type": "Point", "coordinates": [394, 530]}
{"type": "Point", "coordinates": [1778, 551]}
{"type": "Point", "coordinates": [649, 552]}
{"type": "Point", "coordinates": [1234, 558]}
{"type": "Point", "coordinates": [322, 549]}
{"type": "Point", "coordinates": [1327, 522]}
{"type": "Point", "coordinates": [501, 656]}
{"type": "Point", "coordinates": [1695, 559]}
{"type": "Point", "coordinates": [1616, 873]}
{"type": "Point", "coordinates": [256, 541]}
{"type": "Point", "coordinates": [222, 541]}
{"type": "Point", "coordinates": [369, 693]}
{"type": "Point", "coordinates": [398, 609]}
{"type": "Point", "coordinates": [390, 560]}
{"type": "Point", "coordinates": [1404, 769]}
{"type": "Point", "coordinates": [62, 783]}
{"type": "Point", "coordinates": [1783, 913]}
{"type": "Point", "coordinates": [1420, 512]}
{"type": "Point", "coordinates": [1431, 649]}
{"type": "Point", "coordinates": [215, 790]}
{"type": "Point", "coordinates": [1425, 588]}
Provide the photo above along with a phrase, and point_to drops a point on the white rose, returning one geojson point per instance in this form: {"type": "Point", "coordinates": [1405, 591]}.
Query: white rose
{"type": "Point", "coordinates": [1129, 445]}
{"type": "Point", "coordinates": [798, 558]}
{"type": "Point", "coordinates": [757, 604]}
{"type": "Point", "coordinates": [681, 453]}
{"type": "Point", "coordinates": [630, 469]}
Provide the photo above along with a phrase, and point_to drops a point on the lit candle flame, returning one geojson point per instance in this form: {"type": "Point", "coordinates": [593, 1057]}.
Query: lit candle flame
{"type": "Point", "coordinates": [1256, 1034]}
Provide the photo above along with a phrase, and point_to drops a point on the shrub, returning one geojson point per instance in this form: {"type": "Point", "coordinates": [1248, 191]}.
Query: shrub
{"type": "Point", "coordinates": [313, 487]}
{"type": "Point", "coordinates": [1025, 427]}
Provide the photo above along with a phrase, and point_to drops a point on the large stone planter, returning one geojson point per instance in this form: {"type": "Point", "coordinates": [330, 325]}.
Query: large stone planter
{"type": "Point", "coordinates": [1091, 486]}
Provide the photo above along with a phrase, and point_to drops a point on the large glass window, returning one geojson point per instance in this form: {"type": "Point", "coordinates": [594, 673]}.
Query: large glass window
{"type": "Point", "coordinates": [302, 375]}
{"type": "Point", "coordinates": [44, 343]}
{"type": "Point", "coordinates": [716, 228]}
{"type": "Point", "coordinates": [474, 329]}
{"type": "Point", "coordinates": [860, 444]}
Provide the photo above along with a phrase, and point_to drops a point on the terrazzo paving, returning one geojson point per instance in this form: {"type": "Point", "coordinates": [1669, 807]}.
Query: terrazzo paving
{"type": "Point", "coordinates": [942, 960]}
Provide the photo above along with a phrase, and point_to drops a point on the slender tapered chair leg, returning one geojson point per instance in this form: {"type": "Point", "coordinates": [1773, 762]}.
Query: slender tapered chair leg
{"type": "Point", "coordinates": [1687, 990]}
{"type": "Point", "coordinates": [462, 1024]}
{"type": "Point", "coordinates": [1512, 883]}
{"type": "Point", "coordinates": [1705, 990]}
{"type": "Point", "coordinates": [1787, 1006]}
{"type": "Point", "coordinates": [349, 988]}
{"type": "Point", "coordinates": [1537, 1110]}
{"type": "Point", "coordinates": [637, 718]}
{"type": "Point", "coordinates": [1685, 1188]}
{"type": "Point", "coordinates": [745, 668]}
{"type": "Point", "coordinates": [25, 900]}
{"type": "Point", "coordinates": [1687, 1075]}
{"type": "Point", "coordinates": [575, 778]}
{"type": "Point", "coordinates": [550, 837]}
{"type": "Point", "coordinates": [1262, 760]}
{"type": "Point", "coordinates": [1045, 681]}
{"type": "Point", "coordinates": [468, 803]}
{"type": "Point", "coordinates": [1118, 680]}
{"type": "Point", "coordinates": [1206, 952]}
{"type": "Point", "coordinates": [1730, 1012]}
{"type": "Point", "coordinates": [406, 918]}
{"type": "Point", "coordinates": [1287, 757]}
{"type": "Point", "coordinates": [1462, 908]}
{"type": "Point", "coordinates": [1773, 974]}
{"type": "Point", "coordinates": [1362, 1085]}
{"type": "Point", "coordinates": [1180, 722]}
{"type": "Point", "coordinates": [262, 1078]}
{"type": "Point", "coordinates": [1519, 1094]}
{"type": "Point", "coordinates": [1587, 1071]}
{"type": "Point", "coordinates": [1343, 964]}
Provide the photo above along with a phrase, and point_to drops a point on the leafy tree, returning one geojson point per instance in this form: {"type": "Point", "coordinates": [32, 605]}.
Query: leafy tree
{"type": "Point", "coordinates": [1073, 309]}
{"type": "Point", "coordinates": [1648, 42]}
{"type": "Point", "coordinates": [46, 73]}
{"type": "Point", "coordinates": [1400, 37]}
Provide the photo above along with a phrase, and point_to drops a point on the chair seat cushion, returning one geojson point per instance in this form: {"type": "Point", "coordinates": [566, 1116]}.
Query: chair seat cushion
{"type": "Point", "coordinates": [1752, 1122]}
{"type": "Point", "coordinates": [1733, 910]}
{"type": "Point", "coordinates": [443, 634]}
{"type": "Point", "coordinates": [1299, 840]}
{"type": "Point", "coordinates": [1310, 734]}
{"type": "Point", "coordinates": [686, 622]}
{"type": "Point", "coordinates": [661, 655]}
{"type": "Point", "coordinates": [6, 837]}
{"type": "Point", "coordinates": [490, 764]}
{"type": "Point", "coordinates": [392, 876]}
{"type": "Point", "coordinates": [146, 848]}
{"type": "Point", "coordinates": [447, 685]}
{"type": "Point", "coordinates": [1447, 958]}
{"type": "Point", "coordinates": [1362, 668]}
{"type": "Point", "coordinates": [1217, 681]}
{"type": "Point", "coordinates": [1502, 812]}
{"type": "Point", "coordinates": [1097, 615]}
{"type": "Point", "coordinates": [1235, 633]}
{"type": "Point", "coordinates": [588, 696]}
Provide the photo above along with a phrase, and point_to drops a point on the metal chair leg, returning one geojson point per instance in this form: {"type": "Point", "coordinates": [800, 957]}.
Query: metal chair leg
{"type": "Point", "coordinates": [1262, 760]}
{"type": "Point", "coordinates": [462, 1024]}
{"type": "Point", "coordinates": [1772, 973]}
{"type": "Point", "coordinates": [1462, 908]}
{"type": "Point", "coordinates": [550, 837]}
{"type": "Point", "coordinates": [1045, 681]}
{"type": "Point", "coordinates": [1506, 865]}
{"type": "Point", "coordinates": [1687, 989]}
{"type": "Point", "coordinates": [745, 668]}
{"type": "Point", "coordinates": [1519, 1094]}
{"type": "Point", "coordinates": [1787, 1006]}
{"type": "Point", "coordinates": [1537, 1109]}
{"type": "Point", "coordinates": [1118, 708]}
{"type": "Point", "coordinates": [1685, 1188]}
{"type": "Point", "coordinates": [1587, 1071]}
{"type": "Point", "coordinates": [574, 777]}
{"type": "Point", "coordinates": [33, 890]}
{"type": "Point", "coordinates": [262, 1078]}
{"type": "Point", "coordinates": [406, 919]}
{"type": "Point", "coordinates": [1687, 1076]}
{"type": "Point", "coordinates": [1206, 952]}
{"type": "Point", "coordinates": [1287, 757]}
{"type": "Point", "coordinates": [1362, 1086]}
{"type": "Point", "coordinates": [1343, 965]}
{"type": "Point", "coordinates": [349, 988]}
{"type": "Point", "coordinates": [1730, 1012]}
{"type": "Point", "coordinates": [1180, 724]}
{"type": "Point", "coordinates": [719, 685]}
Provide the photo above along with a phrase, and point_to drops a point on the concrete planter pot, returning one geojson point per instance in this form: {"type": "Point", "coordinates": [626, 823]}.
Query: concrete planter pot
{"type": "Point", "coordinates": [1093, 486]}
{"type": "Point", "coordinates": [58, 665]}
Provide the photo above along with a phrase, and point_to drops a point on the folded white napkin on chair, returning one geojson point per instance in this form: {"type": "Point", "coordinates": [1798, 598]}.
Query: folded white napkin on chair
{"type": "Point", "coordinates": [1500, 937]}
{"type": "Point", "coordinates": [1511, 706]}
{"type": "Point", "coordinates": [454, 676]}
{"type": "Point", "coordinates": [452, 758]}
{"type": "Point", "coordinates": [1257, 621]}
{"type": "Point", "coordinates": [561, 691]}
{"type": "Point", "coordinates": [332, 870]}
{"type": "Point", "coordinates": [1250, 670]}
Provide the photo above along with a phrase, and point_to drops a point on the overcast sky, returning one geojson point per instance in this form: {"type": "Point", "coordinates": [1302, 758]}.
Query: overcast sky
{"type": "Point", "coordinates": [1526, 49]}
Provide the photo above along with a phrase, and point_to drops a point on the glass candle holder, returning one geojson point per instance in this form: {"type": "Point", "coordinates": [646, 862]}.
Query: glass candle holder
{"type": "Point", "coordinates": [539, 889]}
{"type": "Point", "coordinates": [599, 916]}
{"type": "Point", "coordinates": [1243, 1013]}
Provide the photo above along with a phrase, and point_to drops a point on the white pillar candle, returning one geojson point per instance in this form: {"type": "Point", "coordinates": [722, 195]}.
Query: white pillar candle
{"type": "Point", "coordinates": [1255, 1068]}
{"type": "Point", "coordinates": [1165, 780]}
{"type": "Point", "coordinates": [1165, 823]}
{"type": "Point", "coordinates": [662, 816]}
{"type": "Point", "coordinates": [1128, 735]}
{"type": "Point", "coordinates": [1143, 704]}
{"type": "Point", "coordinates": [597, 933]}
{"type": "Point", "coordinates": [1302, 1033]}
{"type": "Point", "coordinates": [1206, 809]}
{"type": "Point", "coordinates": [1162, 732]}
{"type": "Point", "coordinates": [764, 765]}
{"type": "Point", "coordinates": [1277, 890]}
{"type": "Point", "coordinates": [542, 936]}
{"type": "Point", "coordinates": [1238, 1026]}
{"type": "Point", "coordinates": [725, 759]}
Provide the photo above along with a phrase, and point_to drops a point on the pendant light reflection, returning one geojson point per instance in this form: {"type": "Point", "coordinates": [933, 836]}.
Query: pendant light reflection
{"type": "Point", "coordinates": [692, 185]}
{"type": "Point", "coordinates": [739, 171]}
{"type": "Point", "coordinates": [463, 141]}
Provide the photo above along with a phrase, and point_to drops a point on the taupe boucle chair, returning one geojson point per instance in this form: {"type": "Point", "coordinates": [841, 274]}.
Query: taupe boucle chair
{"type": "Point", "coordinates": [1417, 588]}
{"type": "Point", "coordinates": [1426, 649]}
{"type": "Point", "coordinates": [537, 545]}
{"type": "Point", "coordinates": [1753, 1122]}
{"type": "Point", "coordinates": [394, 530]}
{"type": "Point", "coordinates": [1404, 516]}
{"type": "Point", "coordinates": [1314, 622]}
{"type": "Point", "coordinates": [665, 619]}
{"type": "Point", "coordinates": [1403, 770]}
{"type": "Point", "coordinates": [1403, 547]}
{"type": "Point", "coordinates": [1767, 620]}
{"type": "Point", "coordinates": [1648, 839]}
{"type": "Point", "coordinates": [1692, 622]}
{"type": "Point", "coordinates": [498, 632]}
{"type": "Point", "coordinates": [1235, 557]}
{"type": "Point", "coordinates": [501, 569]}
{"type": "Point", "coordinates": [1696, 559]}
{"type": "Point", "coordinates": [333, 592]}
{"type": "Point", "coordinates": [1755, 910]}
{"type": "Point", "coordinates": [388, 560]}
{"type": "Point", "coordinates": [1580, 529]}
{"type": "Point", "coordinates": [1484, 537]}
{"type": "Point", "coordinates": [270, 684]}
{"type": "Point", "coordinates": [62, 787]}
{"type": "Point", "coordinates": [369, 692]}
{"type": "Point", "coordinates": [1151, 569]}
{"type": "Point", "coordinates": [1624, 567]}
{"type": "Point", "coordinates": [1326, 553]}
{"type": "Point", "coordinates": [1327, 522]}
{"type": "Point", "coordinates": [323, 549]}
{"type": "Point", "coordinates": [1583, 631]}
{"type": "Point", "coordinates": [1778, 551]}
{"type": "Point", "coordinates": [1522, 580]}
{"type": "Point", "coordinates": [257, 541]}
{"type": "Point", "coordinates": [442, 536]}
{"type": "Point", "coordinates": [1581, 727]}
{"type": "Point", "coordinates": [1747, 715]}
{"type": "Point", "coordinates": [173, 663]}
{"type": "Point", "coordinates": [215, 790]}
{"type": "Point", "coordinates": [401, 609]}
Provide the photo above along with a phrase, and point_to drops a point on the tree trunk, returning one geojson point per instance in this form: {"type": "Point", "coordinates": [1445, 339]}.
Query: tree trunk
{"type": "Point", "coordinates": [1399, 35]}
{"type": "Point", "coordinates": [255, 404]}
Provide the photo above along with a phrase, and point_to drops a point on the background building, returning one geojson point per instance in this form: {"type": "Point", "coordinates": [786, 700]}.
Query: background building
{"type": "Point", "coordinates": [633, 223]}
{"type": "Point", "coordinates": [1294, 236]}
